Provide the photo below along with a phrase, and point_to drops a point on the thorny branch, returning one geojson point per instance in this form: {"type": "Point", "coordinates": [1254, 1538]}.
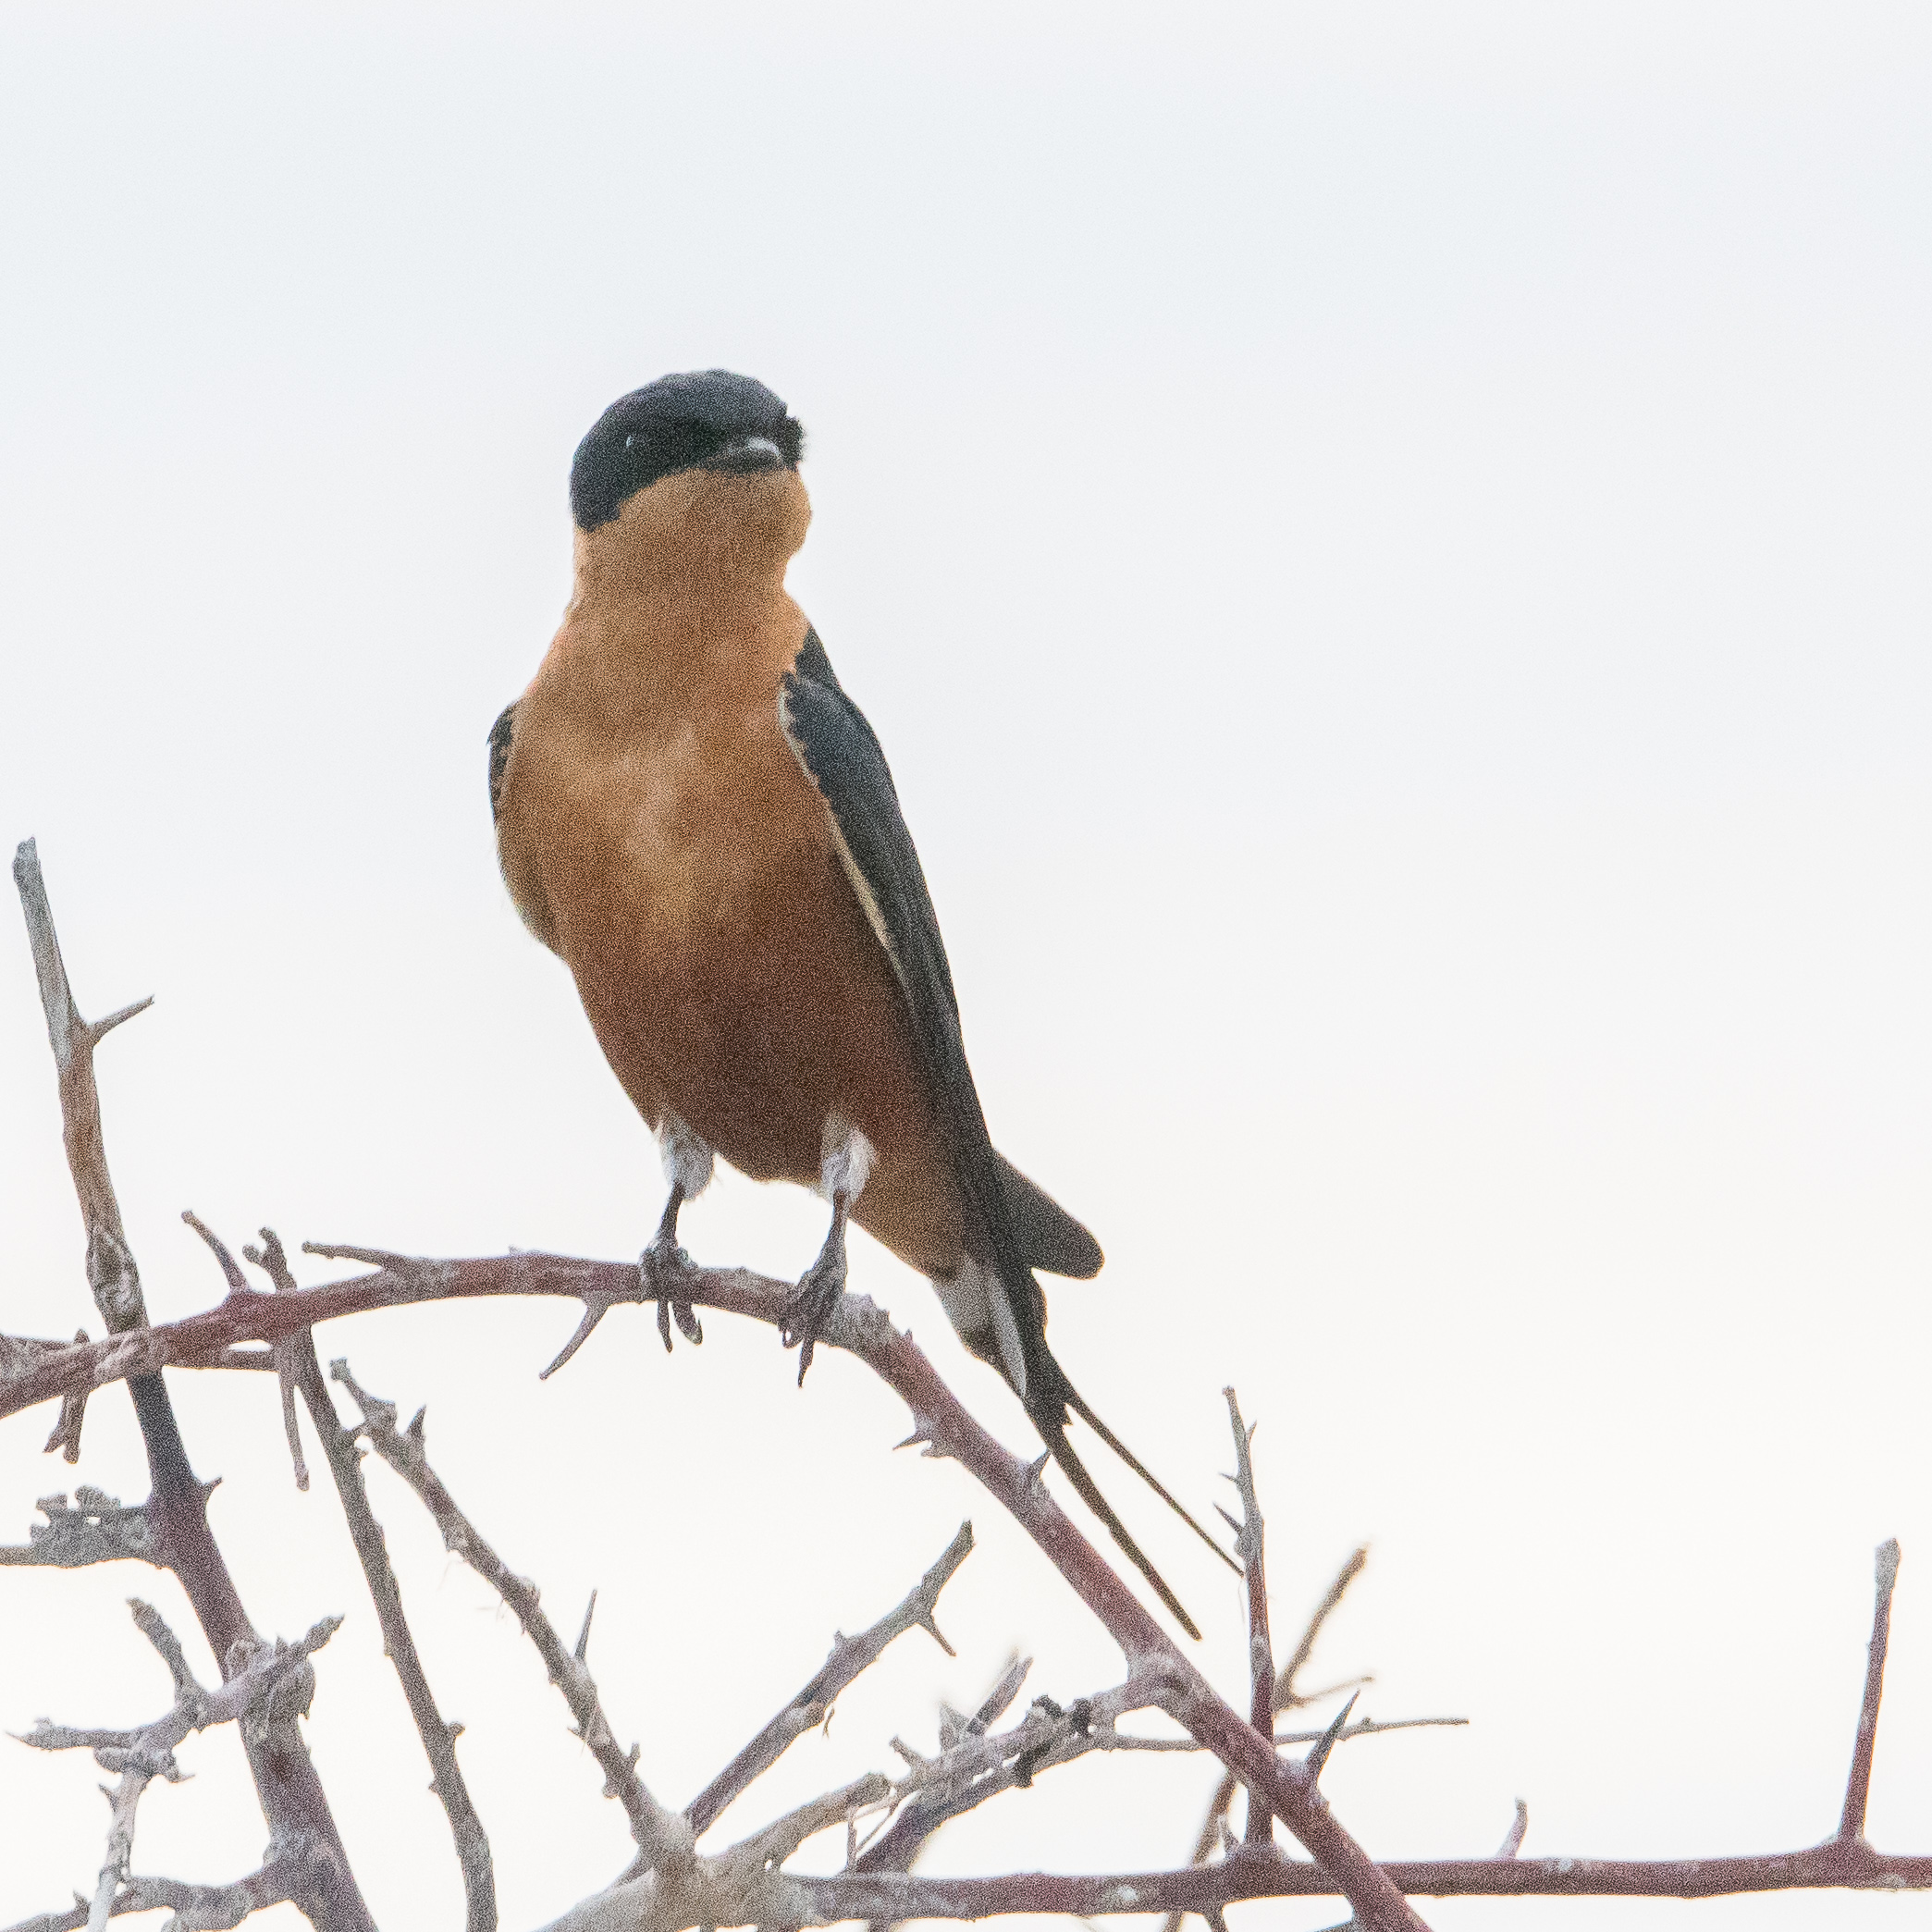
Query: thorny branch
{"type": "Point", "coordinates": [657, 1831]}
{"type": "Point", "coordinates": [267, 1684]}
{"type": "Point", "coordinates": [943, 1423]}
{"type": "Point", "coordinates": [401, 1281]}
{"type": "Point", "coordinates": [939, 1418]}
{"type": "Point", "coordinates": [293, 1800]}
{"type": "Point", "coordinates": [886, 1896]}
{"type": "Point", "coordinates": [1288, 1697]}
{"type": "Point", "coordinates": [1249, 1546]}
{"type": "Point", "coordinates": [298, 1369]}
{"type": "Point", "coordinates": [671, 1886]}
{"type": "Point", "coordinates": [895, 1849]}
{"type": "Point", "coordinates": [15, 1351]}
{"type": "Point", "coordinates": [812, 1705]}
{"type": "Point", "coordinates": [1858, 1784]}
{"type": "Point", "coordinates": [97, 1528]}
{"type": "Point", "coordinates": [196, 1907]}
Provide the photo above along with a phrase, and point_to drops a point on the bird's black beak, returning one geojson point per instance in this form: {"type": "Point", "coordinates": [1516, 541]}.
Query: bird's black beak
{"type": "Point", "coordinates": [746, 456]}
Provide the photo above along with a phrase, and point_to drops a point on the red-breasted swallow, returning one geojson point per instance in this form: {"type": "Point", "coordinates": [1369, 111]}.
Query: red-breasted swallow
{"type": "Point", "coordinates": [693, 814]}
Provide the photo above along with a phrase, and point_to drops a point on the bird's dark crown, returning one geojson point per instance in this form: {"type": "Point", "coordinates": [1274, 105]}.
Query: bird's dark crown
{"type": "Point", "coordinates": [707, 420]}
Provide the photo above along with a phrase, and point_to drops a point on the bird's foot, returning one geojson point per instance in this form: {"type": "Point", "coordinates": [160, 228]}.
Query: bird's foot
{"type": "Point", "coordinates": [663, 1267]}
{"type": "Point", "coordinates": [808, 1307]}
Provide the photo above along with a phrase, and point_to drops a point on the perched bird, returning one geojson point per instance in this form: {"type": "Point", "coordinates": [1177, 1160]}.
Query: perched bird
{"type": "Point", "coordinates": [692, 813]}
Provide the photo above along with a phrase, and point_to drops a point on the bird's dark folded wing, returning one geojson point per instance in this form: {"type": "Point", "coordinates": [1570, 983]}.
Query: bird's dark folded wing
{"type": "Point", "coordinates": [840, 754]}
{"type": "Point", "coordinates": [842, 757]}
{"type": "Point", "coordinates": [501, 733]}
{"type": "Point", "coordinates": [1050, 1237]}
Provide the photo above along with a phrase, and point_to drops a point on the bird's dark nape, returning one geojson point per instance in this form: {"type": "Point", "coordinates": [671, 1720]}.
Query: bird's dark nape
{"type": "Point", "coordinates": [1050, 1418]}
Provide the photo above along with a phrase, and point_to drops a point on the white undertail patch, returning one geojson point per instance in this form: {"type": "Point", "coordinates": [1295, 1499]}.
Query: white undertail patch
{"type": "Point", "coordinates": [963, 1296]}
{"type": "Point", "coordinates": [975, 1301]}
{"type": "Point", "coordinates": [1006, 1332]}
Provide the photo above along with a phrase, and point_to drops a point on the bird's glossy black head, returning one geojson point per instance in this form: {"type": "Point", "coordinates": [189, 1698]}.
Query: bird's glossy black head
{"type": "Point", "coordinates": [708, 420]}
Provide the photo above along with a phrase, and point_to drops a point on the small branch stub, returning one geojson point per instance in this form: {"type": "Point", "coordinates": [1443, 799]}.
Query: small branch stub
{"type": "Point", "coordinates": [1251, 1542]}
{"type": "Point", "coordinates": [1858, 1785]}
{"type": "Point", "coordinates": [1519, 1830]}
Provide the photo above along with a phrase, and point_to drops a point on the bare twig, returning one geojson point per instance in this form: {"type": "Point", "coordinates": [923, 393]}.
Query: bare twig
{"type": "Point", "coordinates": [898, 1848]}
{"type": "Point", "coordinates": [1363, 1727]}
{"type": "Point", "coordinates": [780, 1899]}
{"type": "Point", "coordinates": [272, 1678]}
{"type": "Point", "coordinates": [660, 1834]}
{"type": "Point", "coordinates": [111, 1273]}
{"type": "Point", "coordinates": [286, 1358]}
{"type": "Point", "coordinates": [1176, 1687]}
{"type": "Point", "coordinates": [1251, 1540]}
{"type": "Point", "coordinates": [293, 1800]}
{"type": "Point", "coordinates": [66, 1435]}
{"type": "Point", "coordinates": [16, 1351]}
{"type": "Point", "coordinates": [776, 1842]}
{"type": "Point", "coordinates": [196, 1907]}
{"type": "Point", "coordinates": [975, 1765]}
{"type": "Point", "coordinates": [807, 1710]}
{"type": "Point", "coordinates": [1286, 1698]}
{"type": "Point", "coordinates": [743, 1887]}
{"type": "Point", "coordinates": [1318, 1758]}
{"type": "Point", "coordinates": [889, 1898]}
{"type": "Point", "coordinates": [298, 1369]}
{"type": "Point", "coordinates": [1519, 1830]}
{"type": "Point", "coordinates": [293, 1359]}
{"type": "Point", "coordinates": [126, 1795]}
{"type": "Point", "coordinates": [1858, 1784]}
{"type": "Point", "coordinates": [97, 1528]}
{"type": "Point", "coordinates": [856, 1326]}
{"type": "Point", "coordinates": [939, 1418]}
{"type": "Point", "coordinates": [999, 1700]}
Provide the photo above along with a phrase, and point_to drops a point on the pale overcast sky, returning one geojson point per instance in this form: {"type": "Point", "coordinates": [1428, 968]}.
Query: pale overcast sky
{"type": "Point", "coordinates": [1386, 546]}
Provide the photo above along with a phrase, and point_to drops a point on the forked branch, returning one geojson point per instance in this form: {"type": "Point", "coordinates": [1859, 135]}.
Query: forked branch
{"type": "Point", "coordinates": [658, 1832]}
{"type": "Point", "coordinates": [293, 1803]}
{"type": "Point", "coordinates": [809, 1709]}
{"type": "Point", "coordinates": [672, 1887]}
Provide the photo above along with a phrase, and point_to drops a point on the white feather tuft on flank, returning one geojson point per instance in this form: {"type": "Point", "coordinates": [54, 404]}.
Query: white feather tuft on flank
{"type": "Point", "coordinates": [845, 1159]}
{"type": "Point", "coordinates": [688, 1160]}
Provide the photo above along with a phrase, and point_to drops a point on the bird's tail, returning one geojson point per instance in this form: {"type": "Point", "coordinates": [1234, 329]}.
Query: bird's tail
{"type": "Point", "coordinates": [1051, 1421]}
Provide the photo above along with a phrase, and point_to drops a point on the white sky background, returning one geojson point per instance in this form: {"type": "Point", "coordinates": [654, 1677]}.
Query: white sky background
{"type": "Point", "coordinates": [1387, 549]}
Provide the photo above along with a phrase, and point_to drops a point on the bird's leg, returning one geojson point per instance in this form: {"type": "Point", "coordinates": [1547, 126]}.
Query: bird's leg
{"type": "Point", "coordinates": [844, 1160]}
{"type": "Point", "coordinates": [687, 1166]}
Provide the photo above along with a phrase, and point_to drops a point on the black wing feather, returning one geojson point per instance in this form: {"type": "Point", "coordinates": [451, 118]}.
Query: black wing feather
{"type": "Point", "coordinates": [842, 754]}
{"type": "Point", "coordinates": [1050, 1237]}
